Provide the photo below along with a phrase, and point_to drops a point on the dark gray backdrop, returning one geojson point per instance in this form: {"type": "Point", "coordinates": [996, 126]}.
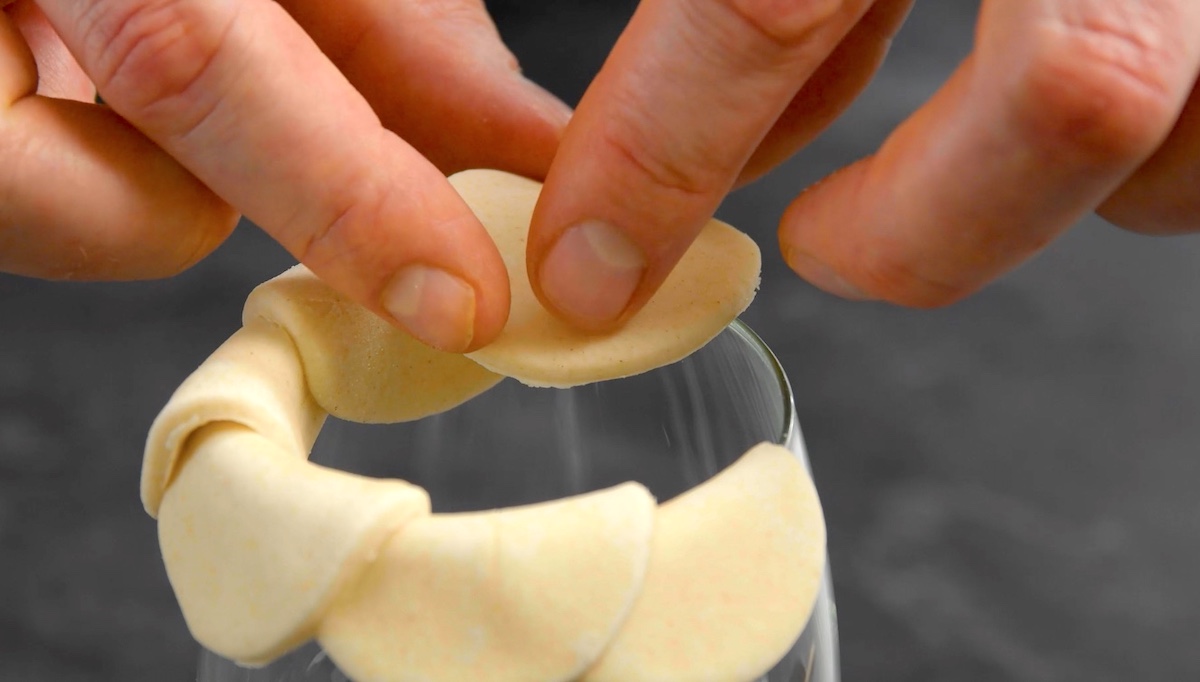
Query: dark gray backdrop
{"type": "Point", "coordinates": [1009, 483]}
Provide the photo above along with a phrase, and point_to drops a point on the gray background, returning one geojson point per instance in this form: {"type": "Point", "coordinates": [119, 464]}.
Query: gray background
{"type": "Point", "coordinates": [1009, 482]}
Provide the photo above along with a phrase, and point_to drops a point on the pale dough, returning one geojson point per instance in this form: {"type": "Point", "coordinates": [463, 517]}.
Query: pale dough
{"type": "Point", "coordinates": [305, 351]}
{"type": "Point", "coordinates": [713, 283]}
{"type": "Point", "coordinates": [254, 379]}
{"type": "Point", "coordinates": [513, 595]}
{"type": "Point", "coordinates": [734, 572]}
{"type": "Point", "coordinates": [257, 541]}
{"type": "Point", "coordinates": [360, 368]}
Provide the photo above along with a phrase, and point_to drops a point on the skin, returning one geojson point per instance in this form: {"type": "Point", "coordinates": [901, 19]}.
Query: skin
{"type": "Point", "coordinates": [332, 125]}
{"type": "Point", "coordinates": [1063, 108]}
{"type": "Point", "coordinates": [298, 115]}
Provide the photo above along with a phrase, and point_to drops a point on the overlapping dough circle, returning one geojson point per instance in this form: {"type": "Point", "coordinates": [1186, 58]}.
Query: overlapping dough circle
{"type": "Point", "coordinates": [712, 284]}
{"type": "Point", "coordinates": [266, 550]}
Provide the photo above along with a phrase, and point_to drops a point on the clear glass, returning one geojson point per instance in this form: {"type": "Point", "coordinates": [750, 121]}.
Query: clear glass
{"type": "Point", "coordinates": [670, 429]}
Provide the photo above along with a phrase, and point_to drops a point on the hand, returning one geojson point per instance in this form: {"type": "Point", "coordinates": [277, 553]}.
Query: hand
{"type": "Point", "coordinates": [329, 124]}
{"type": "Point", "coordinates": [1064, 107]}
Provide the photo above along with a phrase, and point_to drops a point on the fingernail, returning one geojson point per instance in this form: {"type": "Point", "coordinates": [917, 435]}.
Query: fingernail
{"type": "Point", "coordinates": [592, 272]}
{"type": "Point", "coordinates": [820, 275]}
{"type": "Point", "coordinates": [435, 306]}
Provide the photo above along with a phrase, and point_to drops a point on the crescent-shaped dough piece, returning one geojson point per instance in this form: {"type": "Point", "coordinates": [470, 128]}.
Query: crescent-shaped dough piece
{"type": "Point", "coordinates": [713, 283]}
{"type": "Point", "coordinates": [515, 595]}
{"type": "Point", "coordinates": [257, 541]}
{"type": "Point", "coordinates": [255, 378]}
{"type": "Point", "coordinates": [734, 572]}
{"type": "Point", "coordinates": [360, 368]}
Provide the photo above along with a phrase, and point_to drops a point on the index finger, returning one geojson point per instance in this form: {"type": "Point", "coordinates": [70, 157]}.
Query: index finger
{"type": "Point", "coordinates": [246, 101]}
{"type": "Point", "coordinates": [687, 94]}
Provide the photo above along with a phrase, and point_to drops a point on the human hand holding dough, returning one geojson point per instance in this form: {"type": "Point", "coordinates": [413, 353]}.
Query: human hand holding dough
{"type": "Point", "coordinates": [713, 283]}
{"type": "Point", "coordinates": [265, 550]}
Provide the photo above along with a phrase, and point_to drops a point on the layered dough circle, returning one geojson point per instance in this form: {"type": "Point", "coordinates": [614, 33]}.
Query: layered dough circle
{"type": "Point", "coordinates": [266, 550]}
{"type": "Point", "coordinates": [713, 283]}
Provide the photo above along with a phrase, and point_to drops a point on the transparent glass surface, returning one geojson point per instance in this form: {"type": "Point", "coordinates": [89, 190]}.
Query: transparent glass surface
{"type": "Point", "coordinates": [670, 429]}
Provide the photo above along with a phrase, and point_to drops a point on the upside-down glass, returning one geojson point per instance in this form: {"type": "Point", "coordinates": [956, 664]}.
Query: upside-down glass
{"type": "Point", "coordinates": [670, 429]}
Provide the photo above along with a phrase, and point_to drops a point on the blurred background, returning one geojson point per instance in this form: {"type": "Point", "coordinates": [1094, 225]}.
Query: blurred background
{"type": "Point", "coordinates": [1010, 483]}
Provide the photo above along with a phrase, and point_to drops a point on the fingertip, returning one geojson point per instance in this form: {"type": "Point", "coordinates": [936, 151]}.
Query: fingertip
{"type": "Point", "coordinates": [544, 104]}
{"type": "Point", "coordinates": [836, 235]}
{"type": "Point", "coordinates": [404, 244]}
{"type": "Point", "coordinates": [603, 237]}
{"type": "Point", "coordinates": [209, 225]}
{"type": "Point", "coordinates": [492, 295]}
{"type": "Point", "coordinates": [434, 305]}
{"type": "Point", "coordinates": [809, 240]}
{"type": "Point", "coordinates": [444, 310]}
{"type": "Point", "coordinates": [812, 270]}
{"type": "Point", "coordinates": [589, 275]}
{"type": "Point", "coordinates": [474, 257]}
{"type": "Point", "coordinates": [454, 307]}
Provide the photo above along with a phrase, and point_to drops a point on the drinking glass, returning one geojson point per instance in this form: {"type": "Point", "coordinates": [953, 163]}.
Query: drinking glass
{"type": "Point", "coordinates": [670, 429]}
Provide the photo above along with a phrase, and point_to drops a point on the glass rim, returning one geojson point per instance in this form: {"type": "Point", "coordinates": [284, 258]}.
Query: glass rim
{"type": "Point", "coordinates": [752, 339]}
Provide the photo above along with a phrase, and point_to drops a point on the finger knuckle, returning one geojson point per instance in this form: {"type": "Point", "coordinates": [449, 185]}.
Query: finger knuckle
{"type": "Point", "coordinates": [147, 55]}
{"type": "Point", "coordinates": [784, 22]}
{"type": "Point", "coordinates": [676, 172]}
{"type": "Point", "coordinates": [1105, 93]}
{"type": "Point", "coordinates": [344, 235]}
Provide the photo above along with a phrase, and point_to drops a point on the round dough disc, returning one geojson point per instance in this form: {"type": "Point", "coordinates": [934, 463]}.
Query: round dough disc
{"type": "Point", "coordinates": [713, 283]}
{"type": "Point", "coordinates": [735, 569]}
{"type": "Point", "coordinates": [357, 366]}
{"type": "Point", "coordinates": [521, 594]}
{"type": "Point", "coordinates": [257, 540]}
